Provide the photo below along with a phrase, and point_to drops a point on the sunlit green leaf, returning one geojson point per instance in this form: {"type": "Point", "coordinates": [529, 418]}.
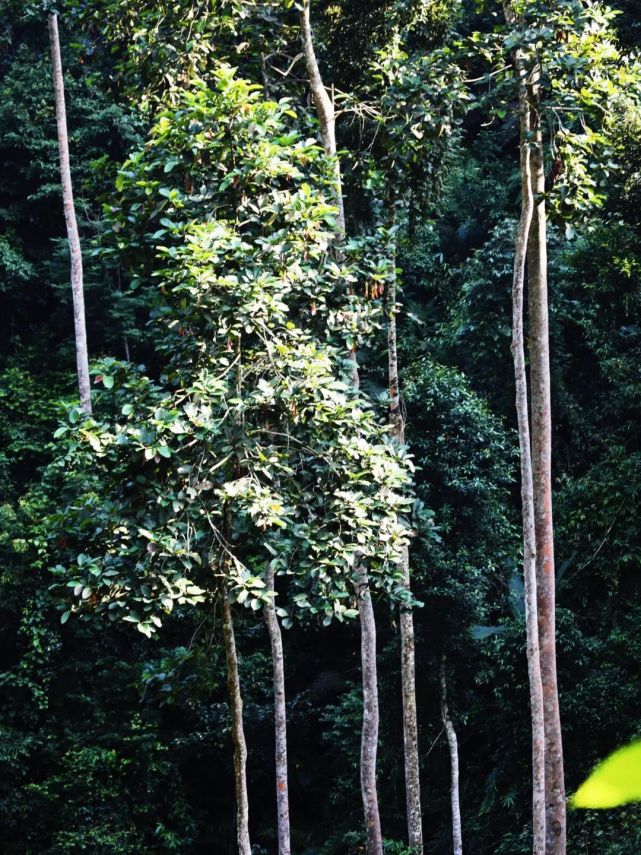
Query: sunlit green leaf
{"type": "Point", "coordinates": [616, 781]}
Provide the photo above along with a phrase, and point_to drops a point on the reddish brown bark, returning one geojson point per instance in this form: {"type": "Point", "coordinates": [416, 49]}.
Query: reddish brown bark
{"type": "Point", "coordinates": [539, 338]}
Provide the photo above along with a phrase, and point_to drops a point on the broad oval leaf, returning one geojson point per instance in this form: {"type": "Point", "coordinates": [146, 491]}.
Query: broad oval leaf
{"type": "Point", "coordinates": [616, 781]}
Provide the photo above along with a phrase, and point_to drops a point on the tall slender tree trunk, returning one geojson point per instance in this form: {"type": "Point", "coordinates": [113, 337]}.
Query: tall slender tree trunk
{"type": "Point", "coordinates": [410, 725]}
{"type": "Point", "coordinates": [539, 338]}
{"type": "Point", "coordinates": [237, 730]}
{"type": "Point", "coordinates": [369, 737]}
{"type": "Point", "coordinates": [280, 718]}
{"type": "Point", "coordinates": [457, 835]}
{"type": "Point", "coordinates": [235, 698]}
{"type": "Point", "coordinates": [82, 359]}
{"type": "Point", "coordinates": [408, 651]}
{"type": "Point", "coordinates": [527, 488]}
{"type": "Point", "coordinates": [324, 109]}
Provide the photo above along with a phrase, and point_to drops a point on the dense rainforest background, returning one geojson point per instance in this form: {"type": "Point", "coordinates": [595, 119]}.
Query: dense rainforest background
{"type": "Point", "coordinates": [205, 190]}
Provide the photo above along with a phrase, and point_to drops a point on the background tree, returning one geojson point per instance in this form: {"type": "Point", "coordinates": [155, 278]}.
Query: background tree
{"type": "Point", "coordinates": [77, 282]}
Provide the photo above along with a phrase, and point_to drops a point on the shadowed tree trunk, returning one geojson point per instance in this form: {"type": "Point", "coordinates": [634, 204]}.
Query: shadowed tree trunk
{"type": "Point", "coordinates": [237, 730]}
{"type": "Point", "coordinates": [235, 701]}
{"type": "Point", "coordinates": [280, 718]}
{"type": "Point", "coordinates": [369, 738]}
{"type": "Point", "coordinates": [450, 732]}
{"type": "Point", "coordinates": [406, 618]}
{"type": "Point", "coordinates": [539, 340]}
{"type": "Point", "coordinates": [82, 359]}
{"type": "Point", "coordinates": [527, 489]}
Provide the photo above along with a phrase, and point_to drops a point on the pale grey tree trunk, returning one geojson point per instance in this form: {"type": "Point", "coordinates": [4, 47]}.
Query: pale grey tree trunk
{"type": "Point", "coordinates": [77, 290]}
{"type": "Point", "coordinates": [237, 729]}
{"type": "Point", "coordinates": [406, 618]}
{"type": "Point", "coordinates": [450, 732]}
{"type": "Point", "coordinates": [280, 718]}
{"type": "Point", "coordinates": [369, 737]}
{"type": "Point", "coordinates": [527, 489]}
{"type": "Point", "coordinates": [324, 108]}
{"type": "Point", "coordinates": [539, 349]}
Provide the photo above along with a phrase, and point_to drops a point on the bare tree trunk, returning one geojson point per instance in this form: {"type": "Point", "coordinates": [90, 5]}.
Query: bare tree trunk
{"type": "Point", "coordinates": [539, 341]}
{"type": "Point", "coordinates": [324, 108]}
{"type": "Point", "coordinates": [369, 739]}
{"type": "Point", "coordinates": [410, 725]}
{"type": "Point", "coordinates": [457, 835]}
{"type": "Point", "coordinates": [280, 718]}
{"type": "Point", "coordinates": [82, 359]}
{"type": "Point", "coordinates": [125, 340]}
{"type": "Point", "coordinates": [527, 489]}
{"type": "Point", "coordinates": [237, 730]}
{"type": "Point", "coordinates": [408, 653]}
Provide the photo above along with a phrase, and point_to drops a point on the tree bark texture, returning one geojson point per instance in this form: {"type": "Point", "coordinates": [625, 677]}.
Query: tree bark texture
{"type": "Point", "coordinates": [369, 738]}
{"type": "Point", "coordinates": [406, 617]}
{"type": "Point", "coordinates": [457, 835]}
{"type": "Point", "coordinates": [77, 290]}
{"type": "Point", "coordinates": [280, 717]}
{"type": "Point", "coordinates": [324, 109]}
{"type": "Point", "coordinates": [237, 730]}
{"type": "Point", "coordinates": [527, 489]}
{"type": "Point", "coordinates": [410, 724]}
{"type": "Point", "coordinates": [539, 339]}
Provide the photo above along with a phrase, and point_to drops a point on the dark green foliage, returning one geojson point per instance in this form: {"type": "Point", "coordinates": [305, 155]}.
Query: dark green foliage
{"type": "Point", "coordinates": [114, 743]}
